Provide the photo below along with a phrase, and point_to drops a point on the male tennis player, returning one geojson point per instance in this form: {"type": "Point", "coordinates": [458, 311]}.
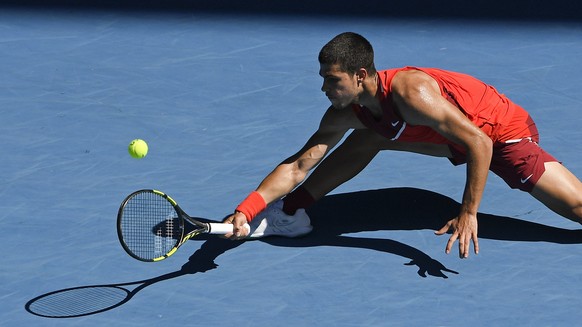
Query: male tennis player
{"type": "Point", "coordinates": [422, 110]}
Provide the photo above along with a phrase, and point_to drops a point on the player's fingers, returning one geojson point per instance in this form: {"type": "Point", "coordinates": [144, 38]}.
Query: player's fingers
{"type": "Point", "coordinates": [444, 229]}
{"type": "Point", "coordinates": [464, 245]}
{"type": "Point", "coordinates": [236, 233]}
{"type": "Point", "coordinates": [451, 242]}
{"type": "Point", "coordinates": [240, 230]}
{"type": "Point", "coordinates": [228, 220]}
{"type": "Point", "coordinates": [476, 243]}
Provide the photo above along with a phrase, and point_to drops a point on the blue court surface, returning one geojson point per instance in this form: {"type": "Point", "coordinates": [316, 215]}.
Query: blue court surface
{"type": "Point", "coordinates": [221, 99]}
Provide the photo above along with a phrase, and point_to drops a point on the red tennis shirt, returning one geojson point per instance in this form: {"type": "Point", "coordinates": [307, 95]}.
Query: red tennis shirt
{"type": "Point", "coordinates": [501, 119]}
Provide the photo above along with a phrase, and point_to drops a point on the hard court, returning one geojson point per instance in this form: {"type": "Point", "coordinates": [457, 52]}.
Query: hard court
{"type": "Point", "coordinates": [221, 97]}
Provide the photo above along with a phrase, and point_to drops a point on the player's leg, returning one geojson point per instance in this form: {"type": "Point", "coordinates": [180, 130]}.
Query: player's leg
{"type": "Point", "coordinates": [287, 217]}
{"type": "Point", "coordinates": [354, 154]}
{"type": "Point", "coordinates": [560, 191]}
{"type": "Point", "coordinates": [346, 161]}
{"type": "Point", "coordinates": [343, 163]}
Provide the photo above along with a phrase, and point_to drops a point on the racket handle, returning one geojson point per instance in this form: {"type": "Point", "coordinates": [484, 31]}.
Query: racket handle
{"type": "Point", "coordinates": [220, 228]}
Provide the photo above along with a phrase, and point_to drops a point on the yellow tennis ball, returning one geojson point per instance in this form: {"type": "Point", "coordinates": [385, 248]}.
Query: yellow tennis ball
{"type": "Point", "coordinates": [138, 148]}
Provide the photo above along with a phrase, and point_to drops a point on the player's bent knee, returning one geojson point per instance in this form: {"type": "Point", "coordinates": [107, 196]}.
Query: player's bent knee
{"type": "Point", "coordinates": [571, 210]}
{"type": "Point", "coordinates": [560, 191]}
{"type": "Point", "coordinates": [577, 213]}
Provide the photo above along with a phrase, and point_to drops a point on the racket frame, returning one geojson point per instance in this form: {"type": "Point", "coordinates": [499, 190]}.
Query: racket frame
{"type": "Point", "coordinates": [201, 227]}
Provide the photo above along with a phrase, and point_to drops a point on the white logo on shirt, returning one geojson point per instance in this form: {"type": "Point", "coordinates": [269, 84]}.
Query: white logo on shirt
{"type": "Point", "coordinates": [523, 180]}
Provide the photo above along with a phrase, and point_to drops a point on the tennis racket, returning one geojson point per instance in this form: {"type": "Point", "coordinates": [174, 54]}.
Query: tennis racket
{"type": "Point", "coordinates": [151, 226]}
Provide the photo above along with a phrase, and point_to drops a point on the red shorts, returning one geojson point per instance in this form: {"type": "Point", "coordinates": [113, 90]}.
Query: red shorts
{"type": "Point", "coordinates": [520, 163]}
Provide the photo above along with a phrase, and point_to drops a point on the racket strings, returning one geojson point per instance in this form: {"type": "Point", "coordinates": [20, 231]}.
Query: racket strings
{"type": "Point", "coordinates": [150, 225]}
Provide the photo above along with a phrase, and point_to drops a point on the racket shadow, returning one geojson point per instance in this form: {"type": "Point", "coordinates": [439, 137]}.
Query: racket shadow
{"type": "Point", "coordinates": [93, 299]}
{"type": "Point", "coordinates": [332, 217]}
{"type": "Point", "coordinates": [408, 209]}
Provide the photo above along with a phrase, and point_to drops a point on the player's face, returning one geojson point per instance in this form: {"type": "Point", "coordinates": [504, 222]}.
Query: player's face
{"type": "Point", "coordinates": [340, 87]}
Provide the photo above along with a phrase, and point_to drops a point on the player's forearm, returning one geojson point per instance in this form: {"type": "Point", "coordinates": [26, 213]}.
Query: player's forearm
{"type": "Point", "coordinates": [291, 172]}
{"type": "Point", "coordinates": [282, 180]}
{"type": "Point", "coordinates": [478, 162]}
{"type": "Point", "coordinates": [345, 162]}
{"type": "Point", "coordinates": [340, 166]}
{"type": "Point", "coordinates": [277, 184]}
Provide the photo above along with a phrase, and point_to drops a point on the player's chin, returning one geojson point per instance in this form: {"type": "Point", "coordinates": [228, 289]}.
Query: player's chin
{"type": "Point", "coordinates": [338, 105]}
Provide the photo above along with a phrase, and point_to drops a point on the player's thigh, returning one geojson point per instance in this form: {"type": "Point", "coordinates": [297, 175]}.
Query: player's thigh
{"type": "Point", "coordinates": [560, 190]}
{"type": "Point", "coordinates": [368, 141]}
{"type": "Point", "coordinates": [435, 150]}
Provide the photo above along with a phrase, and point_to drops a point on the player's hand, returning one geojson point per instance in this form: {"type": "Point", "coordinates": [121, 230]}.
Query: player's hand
{"type": "Point", "coordinates": [464, 229]}
{"type": "Point", "coordinates": [238, 219]}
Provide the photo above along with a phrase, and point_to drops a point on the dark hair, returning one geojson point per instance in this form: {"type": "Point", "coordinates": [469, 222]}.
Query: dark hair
{"type": "Point", "coordinates": [350, 51]}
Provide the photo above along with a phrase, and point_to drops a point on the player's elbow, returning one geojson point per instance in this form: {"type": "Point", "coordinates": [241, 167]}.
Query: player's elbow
{"type": "Point", "coordinates": [300, 168]}
{"type": "Point", "coordinates": [299, 172]}
{"type": "Point", "coordinates": [482, 145]}
{"type": "Point", "coordinates": [485, 142]}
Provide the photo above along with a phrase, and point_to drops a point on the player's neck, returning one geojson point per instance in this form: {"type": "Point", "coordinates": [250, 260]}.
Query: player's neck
{"type": "Point", "coordinates": [369, 98]}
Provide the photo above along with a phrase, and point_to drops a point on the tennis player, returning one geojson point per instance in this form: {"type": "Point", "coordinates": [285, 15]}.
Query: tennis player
{"type": "Point", "coordinates": [423, 110]}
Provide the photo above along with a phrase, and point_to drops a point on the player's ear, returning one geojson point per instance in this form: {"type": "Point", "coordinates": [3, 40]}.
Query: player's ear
{"type": "Point", "coordinates": [361, 75]}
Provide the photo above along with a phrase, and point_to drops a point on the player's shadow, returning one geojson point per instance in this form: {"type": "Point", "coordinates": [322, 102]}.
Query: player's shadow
{"type": "Point", "coordinates": [408, 209]}
{"type": "Point", "coordinates": [417, 209]}
{"type": "Point", "coordinates": [332, 217]}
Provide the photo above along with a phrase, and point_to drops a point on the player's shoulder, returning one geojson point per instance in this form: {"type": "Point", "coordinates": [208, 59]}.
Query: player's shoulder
{"type": "Point", "coordinates": [406, 81]}
{"type": "Point", "coordinates": [410, 77]}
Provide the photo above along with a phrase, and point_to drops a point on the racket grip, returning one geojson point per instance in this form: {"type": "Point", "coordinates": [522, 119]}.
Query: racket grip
{"type": "Point", "coordinates": [220, 228]}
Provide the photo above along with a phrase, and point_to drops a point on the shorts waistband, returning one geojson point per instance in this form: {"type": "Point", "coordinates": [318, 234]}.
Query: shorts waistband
{"type": "Point", "coordinates": [518, 140]}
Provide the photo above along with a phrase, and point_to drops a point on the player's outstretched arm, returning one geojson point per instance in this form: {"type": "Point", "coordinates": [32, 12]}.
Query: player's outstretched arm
{"type": "Point", "coordinates": [420, 102]}
{"type": "Point", "coordinates": [292, 171]}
